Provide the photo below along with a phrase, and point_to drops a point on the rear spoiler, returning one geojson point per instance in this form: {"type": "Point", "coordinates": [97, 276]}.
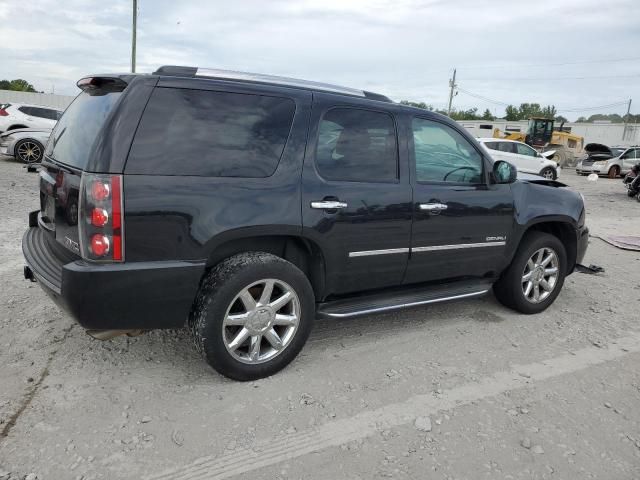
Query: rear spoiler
{"type": "Point", "coordinates": [100, 84]}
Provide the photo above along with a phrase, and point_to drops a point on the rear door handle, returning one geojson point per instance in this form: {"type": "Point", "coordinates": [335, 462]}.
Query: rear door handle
{"type": "Point", "coordinates": [433, 207]}
{"type": "Point", "coordinates": [328, 205]}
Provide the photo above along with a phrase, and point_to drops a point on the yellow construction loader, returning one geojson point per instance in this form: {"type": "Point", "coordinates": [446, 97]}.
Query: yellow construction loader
{"type": "Point", "coordinates": [541, 135]}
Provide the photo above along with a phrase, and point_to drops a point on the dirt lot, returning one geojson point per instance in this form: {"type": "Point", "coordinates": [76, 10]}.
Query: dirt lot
{"type": "Point", "coordinates": [465, 390]}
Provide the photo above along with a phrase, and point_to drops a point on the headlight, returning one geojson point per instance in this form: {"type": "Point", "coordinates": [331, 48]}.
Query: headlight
{"type": "Point", "coordinates": [599, 164]}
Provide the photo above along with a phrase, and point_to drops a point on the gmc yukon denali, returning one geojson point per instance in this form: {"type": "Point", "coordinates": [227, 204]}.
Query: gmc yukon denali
{"type": "Point", "coordinates": [245, 206]}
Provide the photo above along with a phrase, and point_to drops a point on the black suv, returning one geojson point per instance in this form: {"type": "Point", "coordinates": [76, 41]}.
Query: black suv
{"type": "Point", "coordinates": [247, 205]}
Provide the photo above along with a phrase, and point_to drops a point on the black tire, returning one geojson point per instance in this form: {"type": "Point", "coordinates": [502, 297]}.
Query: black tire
{"type": "Point", "coordinates": [613, 172]}
{"type": "Point", "coordinates": [508, 289]}
{"type": "Point", "coordinates": [38, 151]}
{"type": "Point", "coordinates": [549, 172]}
{"type": "Point", "coordinates": [217, 294]}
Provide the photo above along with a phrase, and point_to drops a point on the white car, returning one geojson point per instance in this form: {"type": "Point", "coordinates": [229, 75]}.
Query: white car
{"type": "Point", "coordinates": [522, 156]}
{"type": "Point", "coordinates": [25, 144]}
{"type": "Point", "coordinates": [20, 115]}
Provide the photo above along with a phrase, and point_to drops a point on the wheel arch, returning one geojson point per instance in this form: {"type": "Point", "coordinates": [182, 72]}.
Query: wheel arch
{"type": "Point", "coordinates": [302, 252]}
{"type": "Point", "coordinates": [563, 229]}
{"type": "Point", "coordinates": [15, 127]}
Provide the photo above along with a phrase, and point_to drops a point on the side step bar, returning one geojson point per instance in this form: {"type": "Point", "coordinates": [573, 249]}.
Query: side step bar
{"type": "Point", "coordinates": [383, 302]}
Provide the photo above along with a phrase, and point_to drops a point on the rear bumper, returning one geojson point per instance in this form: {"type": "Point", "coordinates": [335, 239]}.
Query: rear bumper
{"type": "Point", "coordinates": [139, 295]}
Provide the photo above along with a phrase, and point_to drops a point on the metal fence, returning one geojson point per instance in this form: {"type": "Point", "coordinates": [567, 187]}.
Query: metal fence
{"type": "Point", "coordinates": [43, 99]}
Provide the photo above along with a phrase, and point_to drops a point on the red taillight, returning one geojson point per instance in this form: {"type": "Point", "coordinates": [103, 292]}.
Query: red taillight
{"type": "Point", "coordinates": [99, 217]}
{"type": "Point", "coordinates": [101, 222]}
{"type": "Point", "coordinates": [3, 113]}
{"type": "Point", "coordinates": [100, 190]}
{"type": "Point", "coordinates": [116, 211]}
{"type": "Point", "coordinates": [99, 245]}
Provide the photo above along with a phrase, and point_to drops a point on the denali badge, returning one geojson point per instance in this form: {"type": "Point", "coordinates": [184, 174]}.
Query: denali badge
{"type": "Point", "coordinates": [70, 244]}
{"type": "Point", "coordinates": [496, 239]}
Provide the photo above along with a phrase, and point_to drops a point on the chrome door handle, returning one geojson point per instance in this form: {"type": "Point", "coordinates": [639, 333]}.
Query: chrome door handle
{"type": "Point", "coordinates": [328, 205]}
{"type": "Point", "coordinates": [433, 207]}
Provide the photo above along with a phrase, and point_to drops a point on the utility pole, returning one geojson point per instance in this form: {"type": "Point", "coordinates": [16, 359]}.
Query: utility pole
{"type": "Point", "coordinates": [452, 85]}
{"type": "Point", "coordinates": [133, 36]}
{"type": "Point", "coordinates": [626, 120]}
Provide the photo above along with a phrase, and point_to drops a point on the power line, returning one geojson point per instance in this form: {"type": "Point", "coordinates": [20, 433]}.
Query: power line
{"type": "Point", "coordinates": [573, 109]}
{"type": "Point", "coordinates": [581, 62]}
{"type": "Point", "coordinates": [481, 97]}
{"type": "Point", "coordinates": [635, 75]}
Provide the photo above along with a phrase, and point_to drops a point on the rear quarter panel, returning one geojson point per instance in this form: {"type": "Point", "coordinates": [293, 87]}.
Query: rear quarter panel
{"type": "Point", "coordinates": [188, 217]}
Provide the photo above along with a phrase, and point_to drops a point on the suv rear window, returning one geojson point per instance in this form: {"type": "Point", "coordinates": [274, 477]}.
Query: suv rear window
{"type": "Point", "coordinates": [76, 131]}
{"type": "Point", "coordinates": [210, 133]}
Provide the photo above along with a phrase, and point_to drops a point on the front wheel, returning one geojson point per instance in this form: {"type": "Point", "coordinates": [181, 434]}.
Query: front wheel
{"type": "Point", "coordinates": [536, 275]}
{"type": "Point", "coordinates": [29, 151]}
{"type": "Point", "coordinates": [549, 173]}
{"type": "Point", "coordinates": [252, 315]}
{"type": "Point", "coordinates": [613, 172]}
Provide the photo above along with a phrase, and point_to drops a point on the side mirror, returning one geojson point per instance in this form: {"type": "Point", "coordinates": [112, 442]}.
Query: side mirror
{"type": "Point", "coordinates": [504, 172]}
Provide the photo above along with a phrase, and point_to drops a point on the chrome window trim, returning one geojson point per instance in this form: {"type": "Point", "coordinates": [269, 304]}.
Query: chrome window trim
{"type": "Point", "coordinates": [458, 246]}
{"type": "Point", "coordinates": [366, 253]}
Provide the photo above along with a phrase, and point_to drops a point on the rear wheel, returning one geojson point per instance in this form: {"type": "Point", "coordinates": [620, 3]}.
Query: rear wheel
{"type": "Point", "coordinates": [29, 151]}
{"type": "Point", "coordinates": [252, 315]}
{"type": "Point", "coordinates": [536, 275]}
{"type": "Point", "coordinates": [614, 172]}
{"type": "Point", "coordinates": [549, 173]}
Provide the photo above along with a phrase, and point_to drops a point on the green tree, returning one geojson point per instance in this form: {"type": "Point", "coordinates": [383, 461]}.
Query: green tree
{"type": "Point", "coordinates": [422, 105]}
{"type": "Point", "coordinates": [512, 113]}
{"type": "Point", "coordinates": [487, 115]}
{"type": "Point", "coordinates": [18, 85]}
{"type": "Point", "coordinates": [561, 119]}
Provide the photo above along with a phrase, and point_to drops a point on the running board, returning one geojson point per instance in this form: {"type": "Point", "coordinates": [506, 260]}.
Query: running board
{"type": "Point", "coordinates": [384, 302]}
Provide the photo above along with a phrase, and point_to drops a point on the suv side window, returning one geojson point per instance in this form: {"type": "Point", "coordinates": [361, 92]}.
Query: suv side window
{"type": "Point", "coordinates": [357, 146]}
{"type": "Point", "coordinates": [26, 110]}
{"type": "Point", "coordinates": [523, 149]}
{"type": "Point", "coordinates": [443, 155]}
{"type": "Point", "coordinates": [211, 133]}
{"type": "Point", "coordinates": [491, 145]}
{"type": "Point", "coordinates": [506, 147]}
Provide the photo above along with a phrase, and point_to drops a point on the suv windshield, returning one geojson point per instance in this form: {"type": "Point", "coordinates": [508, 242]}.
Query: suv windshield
{"type": "Point", "coordinates": [76, 131]}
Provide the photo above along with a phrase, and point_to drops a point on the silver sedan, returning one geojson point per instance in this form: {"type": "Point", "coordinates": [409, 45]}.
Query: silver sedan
{"type": "Point", "coordinates": [25, 144]}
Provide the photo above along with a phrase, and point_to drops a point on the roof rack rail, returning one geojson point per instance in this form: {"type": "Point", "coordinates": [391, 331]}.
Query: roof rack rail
{"type": "Point", "coordinates": [177, 71]}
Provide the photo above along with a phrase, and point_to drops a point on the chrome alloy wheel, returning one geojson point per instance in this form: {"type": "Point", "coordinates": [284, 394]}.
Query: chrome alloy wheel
{"type": "Point", "coordinates": [548, 174]}
{"type": "Point", "coordinates": [540, 275]}
{"type": "Point", "coordinates": [29, 152]}
{"type": "Point", "coordinates": [261, 321]}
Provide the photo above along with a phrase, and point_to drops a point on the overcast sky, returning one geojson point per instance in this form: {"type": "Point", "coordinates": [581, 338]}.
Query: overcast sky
{"type": "Point", "coordinates": [571, 53]}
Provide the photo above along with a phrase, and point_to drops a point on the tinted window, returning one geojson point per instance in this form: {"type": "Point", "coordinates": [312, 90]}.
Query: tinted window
{"type": "Point", "coordinates": [523, 149]}
{"type": "Point", "coordinates": [206, 133]}
{"type": "Point", "coordinates": [26, 110]}
{"type": "Point", "coordinates": [357, 146]}
{"type": "Point", "coordinates": [443, 155]}
{"type": "Point", "coordinates": [506, 147]}
{"type": "Point", "coordinates": [491, 145]}
{"type": "Point", "coordinates": [48, 113]}
{"type": "Point", "coordinates": [76, 131]}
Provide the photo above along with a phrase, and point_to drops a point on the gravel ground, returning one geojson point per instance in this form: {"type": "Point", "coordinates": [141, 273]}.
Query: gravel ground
{"type": "Point", "coordinates": [465, 390]}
